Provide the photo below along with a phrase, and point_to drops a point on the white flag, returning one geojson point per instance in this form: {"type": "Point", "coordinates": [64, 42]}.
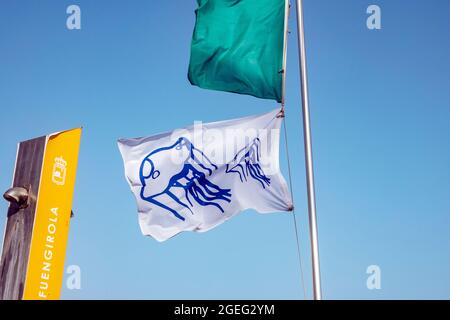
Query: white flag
{"type": "Point", "coordinates": [196, 178]}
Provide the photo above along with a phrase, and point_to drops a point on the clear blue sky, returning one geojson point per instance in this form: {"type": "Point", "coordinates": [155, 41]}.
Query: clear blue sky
{"type": "Point", "coordinates": [380, 103]}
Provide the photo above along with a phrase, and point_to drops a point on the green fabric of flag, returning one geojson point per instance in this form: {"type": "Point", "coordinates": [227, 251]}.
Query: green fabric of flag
{"type": "Point", "coordinates": [237, 46]}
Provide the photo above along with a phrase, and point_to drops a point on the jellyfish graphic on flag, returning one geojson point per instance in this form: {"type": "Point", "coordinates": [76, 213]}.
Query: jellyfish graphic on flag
{"type": "Point", "coordinates": [190, 177]}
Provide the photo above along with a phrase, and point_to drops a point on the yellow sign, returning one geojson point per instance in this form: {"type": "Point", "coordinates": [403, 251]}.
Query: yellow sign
{"type": "Point", "coordinates": [51, 222]}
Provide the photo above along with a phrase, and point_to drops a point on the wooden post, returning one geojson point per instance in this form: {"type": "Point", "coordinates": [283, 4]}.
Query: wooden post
{"type": "Point", "coordinates": [19, 225]}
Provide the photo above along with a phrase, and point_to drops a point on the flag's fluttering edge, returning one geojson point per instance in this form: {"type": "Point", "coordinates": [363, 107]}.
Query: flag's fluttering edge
{"type": "Point", "coordinates": [196, 178]}
{"type": "Point", "coordinates": [237, 46]}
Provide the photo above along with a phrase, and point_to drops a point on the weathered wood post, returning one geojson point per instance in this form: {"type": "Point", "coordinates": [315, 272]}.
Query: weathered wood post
{"type": "Point", "coordinates": [38, 217]}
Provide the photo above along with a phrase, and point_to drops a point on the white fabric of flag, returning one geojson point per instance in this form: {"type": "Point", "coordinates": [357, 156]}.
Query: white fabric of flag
{"type": "Point", "coordinates": [196, 178]}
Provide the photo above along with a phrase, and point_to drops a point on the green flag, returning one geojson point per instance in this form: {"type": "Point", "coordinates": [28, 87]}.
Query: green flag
{"type": "Point", "coordinates": [237, 46]}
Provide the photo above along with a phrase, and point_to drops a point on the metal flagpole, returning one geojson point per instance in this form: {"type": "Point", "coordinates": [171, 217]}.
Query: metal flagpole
{"type": "Point", "coordinates": [308, 154]}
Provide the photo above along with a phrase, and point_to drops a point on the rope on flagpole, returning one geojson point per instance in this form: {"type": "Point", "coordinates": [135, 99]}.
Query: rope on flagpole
{"type": "Point", "coordinates": [293, 210]}
{"type": "Point", "coordinates": [281, 114]}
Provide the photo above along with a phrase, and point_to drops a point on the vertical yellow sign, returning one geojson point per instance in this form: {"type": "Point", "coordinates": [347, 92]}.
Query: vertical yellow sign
{"type": "Point", "coordinates": [51, 223]}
